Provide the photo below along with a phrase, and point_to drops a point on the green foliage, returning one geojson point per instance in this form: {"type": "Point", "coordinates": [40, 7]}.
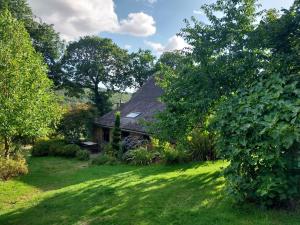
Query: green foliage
{"type": "Point", "coordinates": [221, 60]}
{"type": "Point", "coordinates": [141, 66]}
{"type": "Point", "coordinates": [105, 159]}
{"type": "Point", "coordinates": [116, 139]}
{"type": "Point", "coordinates": [44, 38]}
{"type": "Point", "coordinates": [259, 130]}
{"type": "Point", "coordinates": [29, 107]}
{"type": "Point", "coordinates": [12, 168]}
{"type": "Point", "coordinates": [83, 155]}
{"type": "Point", "coordinates": [140, 156]}
{"type": "Point", "coordinates": [92, 61]}
{"type": "Point", "coordinates": [69, 151]}
{"type": "Point", "coordinates": [172, 155]}
{"type": "Point", "coordinates": [200, 145]}
{"type": "Point", "coordinates": [41, 148]}
{"type": "Point", "coordinates": [77, 122]}
{"type": "Point", "coordinates": [56, 147]}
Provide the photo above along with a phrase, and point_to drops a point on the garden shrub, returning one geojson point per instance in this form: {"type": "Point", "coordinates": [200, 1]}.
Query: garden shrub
{"type": "Point", "coordinates": [56, 147]}
{"type": "Point", "coordinates": [108, 150]}
{"type": "Point", "coordinates": [200, 146]}
{"type": "Point", "coordinates": [12, 167]}
{"type": "Point", "coordinates": [47, 147]}
{"type": "Point", "coordinates": [259, 130]}
{"type": "Point", "coordinates": [139, 156]}
{"type": "Point", "coordinates": [77, 122]}
{"type": "Point", "coordinates": [83, 155]}
{"type": "Point", "coordinates": [173, 155]}
{"type": "Point", "coordinates": [41, 148]}
{"type": "Point", "coordinates": [105, 159]}
{"type": "Point", "coordinates": [69, 151]}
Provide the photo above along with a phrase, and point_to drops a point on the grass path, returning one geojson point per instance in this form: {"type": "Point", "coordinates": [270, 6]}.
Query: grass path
{"type": "Point", "coordinates": [60, 191]}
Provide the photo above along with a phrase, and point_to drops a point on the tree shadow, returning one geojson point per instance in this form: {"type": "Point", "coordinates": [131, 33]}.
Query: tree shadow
{"type": "Point", "coordinates": [52, 173]}
{"type": "Point", "coordinates": [126, 195]}
{"type": "Point", "coordinates": [130, 196]}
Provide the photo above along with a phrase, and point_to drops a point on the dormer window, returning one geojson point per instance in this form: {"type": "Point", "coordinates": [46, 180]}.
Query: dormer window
{"type": "Point", "coordinates": [133, 115]}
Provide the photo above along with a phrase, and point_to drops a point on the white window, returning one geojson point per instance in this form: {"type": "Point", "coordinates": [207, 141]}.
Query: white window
{"type": "Point", "coordinates": [133, 115]}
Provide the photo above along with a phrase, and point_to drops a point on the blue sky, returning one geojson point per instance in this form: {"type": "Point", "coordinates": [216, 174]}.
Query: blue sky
{"type": "Point", "coordinates": [132, 24]}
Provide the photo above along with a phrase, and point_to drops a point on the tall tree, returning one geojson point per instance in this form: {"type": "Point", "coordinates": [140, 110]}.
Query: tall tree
{"type": "Point", "coordinates": [44, 38]}
{"type": "Point", "coordinates": [222, 60]}
{"type": "Point", "coordinates": [94, 61]}
{"type": "Point", "coordinates": [28, 104]}
{"type": "Point", "coordinates": [141, 66]}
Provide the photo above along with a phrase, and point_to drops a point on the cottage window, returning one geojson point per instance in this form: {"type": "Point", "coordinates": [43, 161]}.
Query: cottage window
{"type": "Point", "coordinates": [133, 114]}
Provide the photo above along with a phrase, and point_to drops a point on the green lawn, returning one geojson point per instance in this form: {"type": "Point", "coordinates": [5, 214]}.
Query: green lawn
{"type": "Point", "coordinates": [60, 191]}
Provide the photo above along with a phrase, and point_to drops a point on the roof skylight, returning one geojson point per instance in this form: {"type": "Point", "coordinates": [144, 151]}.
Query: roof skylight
{"type": "Point", "coordinates": [133, 114]}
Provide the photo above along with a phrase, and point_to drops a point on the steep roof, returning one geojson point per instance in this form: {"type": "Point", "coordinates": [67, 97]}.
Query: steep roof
{"type": "Point", "coordinates": [145, 102]}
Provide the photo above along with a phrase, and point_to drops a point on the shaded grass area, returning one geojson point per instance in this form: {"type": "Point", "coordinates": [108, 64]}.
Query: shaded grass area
{"type": "Point", "coordinates": [61, 191]}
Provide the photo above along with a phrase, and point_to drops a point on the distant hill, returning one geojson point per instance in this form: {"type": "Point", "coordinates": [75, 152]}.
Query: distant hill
{"type": "Point", "coordinates": [115, 99]}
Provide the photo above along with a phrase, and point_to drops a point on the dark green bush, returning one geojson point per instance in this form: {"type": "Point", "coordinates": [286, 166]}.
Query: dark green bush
{"type": "Point", "coordinates": [41, 148]}
{"type": "Point", "coordinates": [77, 122]}
{"type": "Point", "coordinates": [47, 147]}
{"type": "Point", "coordinates": [69, 151]}
{"type": "Point", "coordinates": [200, 146]}
{"type": "Point", "coordinates": [56, 147]}
{"type": "Point", "coordinates": [140, 156]}
{"type": "Point", "coordinates": [83, 155]}
{"type": "Point", "coordinates": [173, 155]}
{"type": "Point", "coordinates": [259, 131]}
{"type": "Point", "coordinates": [105, 160]}
{"type": "Point", "coordinates": [12, 167]}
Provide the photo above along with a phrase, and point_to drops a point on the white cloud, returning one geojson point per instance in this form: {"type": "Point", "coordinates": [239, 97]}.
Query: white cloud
{"type": "Point", "coordinates": [152, 1]}
{"type": "Point", "coordinates": [199, 12]}
{"type": "Point", "coordinates": [138, 24]}
{"type": "Point", "coordinates": [158, 47]}
{"type": "Point", "coordinates": [127, 47]}
{"type": "Point", "coordinates": [174, 43]}
{"type": "Point", "coordinates": [78, 18]}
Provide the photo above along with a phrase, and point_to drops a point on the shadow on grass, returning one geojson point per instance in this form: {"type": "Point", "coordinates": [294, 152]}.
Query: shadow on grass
{"type": "Point", "coordinates": [52, 173]}
{"type": "Point", "coordinates": [123, 195]}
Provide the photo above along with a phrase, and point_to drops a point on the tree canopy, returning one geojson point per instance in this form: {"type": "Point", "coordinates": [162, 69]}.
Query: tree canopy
{"type": "Point", "coordinates": [28, 105]}
{"type": "Point", "coordinates": [44, 38]}
{"type": "Point", "coordinates": [221, 60]}
{"type": "Point", "coordinates": [94, 61]}
{"type": "Point", "coordinates": [141, 67]}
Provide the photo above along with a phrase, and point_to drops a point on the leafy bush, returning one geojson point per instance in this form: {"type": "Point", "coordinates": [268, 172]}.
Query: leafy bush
{"type": "Point", "coordinates": [173, 155]}
{"type": "Point", "coordinates": [105, 160]}
{"type": "Point", "coordinates": [69, 151]}
{"type": "Point", "coordinates": [200, 146]}
{"type": "Point", "coordinates": [77, 122]}
{"type": "Point", "coordinates": [12, 167]}
{"type": "Point", "coordinates": [56, 147]}
{"type": "Point", "coordinates": [46, 147]}
{"type": "Point", "coordinates": [140, 156]}
{"type": "Point", "coordinates": [259, 131]}
{"type": "Point", "coordinates": [83, 155]}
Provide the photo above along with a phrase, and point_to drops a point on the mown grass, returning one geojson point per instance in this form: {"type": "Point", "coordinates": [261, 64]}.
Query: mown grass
{"type": "Point", "coordinates": [61, 191]}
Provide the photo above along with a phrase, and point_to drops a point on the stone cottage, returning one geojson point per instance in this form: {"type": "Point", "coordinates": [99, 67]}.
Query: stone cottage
{"type": "Point", "coordinates": [142, 107]}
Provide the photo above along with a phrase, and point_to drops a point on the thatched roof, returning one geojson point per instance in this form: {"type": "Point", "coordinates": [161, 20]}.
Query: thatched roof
{"type": "Point", "coordinates": [145, 102]}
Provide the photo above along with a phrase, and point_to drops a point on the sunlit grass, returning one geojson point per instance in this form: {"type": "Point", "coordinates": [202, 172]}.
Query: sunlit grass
{"type": "Point", "coordinates": [59, 191]}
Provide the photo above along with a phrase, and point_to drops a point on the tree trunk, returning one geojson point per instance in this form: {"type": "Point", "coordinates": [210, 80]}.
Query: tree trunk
{"type": "Point", "coordinates": [6, 147]}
